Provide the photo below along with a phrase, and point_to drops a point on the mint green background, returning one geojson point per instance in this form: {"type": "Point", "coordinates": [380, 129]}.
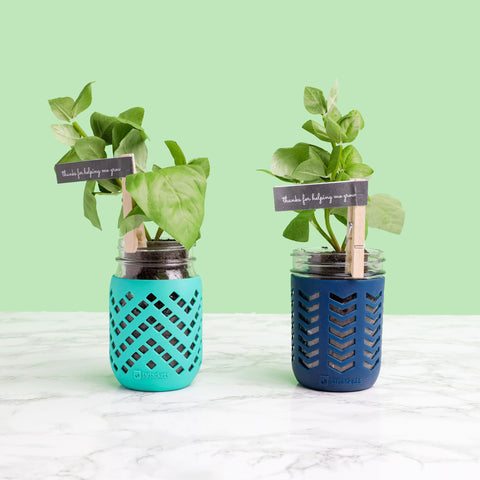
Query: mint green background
{"type": "Point", "coordinates": [226, 81]}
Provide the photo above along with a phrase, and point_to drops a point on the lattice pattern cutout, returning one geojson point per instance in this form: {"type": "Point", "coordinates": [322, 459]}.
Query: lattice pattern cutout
{"type": "Point", "coordinates": [151, 332]}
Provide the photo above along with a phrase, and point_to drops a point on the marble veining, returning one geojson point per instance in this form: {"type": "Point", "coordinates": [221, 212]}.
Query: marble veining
{"type": "Point", "coordinates": [63, 414]}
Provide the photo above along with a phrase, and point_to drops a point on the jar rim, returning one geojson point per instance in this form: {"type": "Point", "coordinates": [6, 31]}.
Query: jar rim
{"type": "Point", "coordinates": [322, 262]}
{"type": "Point", "coordinates": [157, 253]}
{"type": "Point", "coordinates": [161, 244]}
{"type": "Point", "coordinates": [327, 251]}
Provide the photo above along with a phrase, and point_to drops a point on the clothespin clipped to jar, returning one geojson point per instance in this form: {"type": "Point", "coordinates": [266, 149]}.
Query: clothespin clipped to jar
{"type": "Point", "coordinates": [352, 194]}
{"type": "Point", "coordinates": [104, 169]}
{"type": "Point", "coordinates": [134, 238]}
{"type": "Point", "coordinates": [355, 246]}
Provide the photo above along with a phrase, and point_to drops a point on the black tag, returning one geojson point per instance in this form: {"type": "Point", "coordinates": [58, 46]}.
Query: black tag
{"type": "Point", "coordinates": [102, 169]}
{"type": "Point", "coordinates": [311, 196]}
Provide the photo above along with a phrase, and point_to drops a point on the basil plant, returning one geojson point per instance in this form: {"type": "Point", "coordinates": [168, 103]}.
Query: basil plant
{"type": "Point", "coordinates": [337, 161]}
{"type": "Point", "coordinates": [172, 197]}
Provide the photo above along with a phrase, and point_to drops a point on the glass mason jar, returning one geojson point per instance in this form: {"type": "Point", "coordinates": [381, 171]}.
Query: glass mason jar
{"type": "Point", "coordinates": [336, 320]}
{"type": "Point", "coordinates": [322, 263]}
{"type": "Point", "coordinates": [155, 317]}
{"type": "Point", "coordinates": [159, 260]}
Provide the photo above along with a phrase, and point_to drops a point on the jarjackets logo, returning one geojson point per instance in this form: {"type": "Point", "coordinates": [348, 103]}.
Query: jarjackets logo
{"type": "Point", "coordinates": [138, 375]}
{"type": "Point", "coordinates": [343, 381]}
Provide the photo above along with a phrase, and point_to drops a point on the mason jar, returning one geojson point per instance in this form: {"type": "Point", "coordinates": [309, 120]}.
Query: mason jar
{"type": "Point", "coordinates": [336, 320]}
{"type": "Point", "coordinates": [155, 317]}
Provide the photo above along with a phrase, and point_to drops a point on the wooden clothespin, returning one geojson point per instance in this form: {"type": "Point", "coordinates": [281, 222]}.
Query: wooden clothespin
{"type": "Point", "coordinates": [134, 238]}
{"type": "Point", "coordinates": [355, 248]}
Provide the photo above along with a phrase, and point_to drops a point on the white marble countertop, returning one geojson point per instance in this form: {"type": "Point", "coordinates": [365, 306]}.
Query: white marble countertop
{"type": "Point", "coordinates": [63, 414]}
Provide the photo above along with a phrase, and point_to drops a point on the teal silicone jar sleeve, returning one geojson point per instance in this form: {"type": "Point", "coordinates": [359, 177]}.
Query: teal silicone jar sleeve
{"type": "Point", "coordinates": [155, 332]}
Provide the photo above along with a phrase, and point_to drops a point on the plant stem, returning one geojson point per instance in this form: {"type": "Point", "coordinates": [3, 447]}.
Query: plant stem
{"type": "Point", "coordinates": [322, 232]}
{"type": "Point", "coordinates": [330, 231]}
{"type": "Point", "coordinates": [344, 243]}
{"type": "Point", "coordinates": [149, 238]}
{"type": "Point", "coordinates": [79, 129]}
{"type": "Point", "coordinates": [158, 234]}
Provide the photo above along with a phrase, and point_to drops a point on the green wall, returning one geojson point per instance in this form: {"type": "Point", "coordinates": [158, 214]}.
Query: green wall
{"type": "Point", "coordinates": [226, 81]}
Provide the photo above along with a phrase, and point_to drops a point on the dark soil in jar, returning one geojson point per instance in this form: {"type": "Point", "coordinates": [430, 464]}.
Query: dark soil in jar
{"type": "Point", "coordinates": [330, 264]}
{"type": "Point", "coordinates": [161, 260]}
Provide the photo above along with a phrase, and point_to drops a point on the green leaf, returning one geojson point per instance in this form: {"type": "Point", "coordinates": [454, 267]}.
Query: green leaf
{"type": "Point", "coordinates": [323, 154]}
{"type": "Point", "coordinates": [176, 152]}
{"type": "Point", "coordinates": [351, 156]}
{"type": "Point", "coordinates": [351, 124]}
{"type": "Point", "coordinates": [90, 148]}
{"type": "Point", "coordinates": [120, 217]}
{"type": "Point", "coordinates": [310, 170]}
{"type": "Point", "coordinates": [133, 116]}
{"type": "Point", "coordinates": [359, 170]}
{"type": "Point", "coordinates": [298, 228]}
{"type": "Point", "coordinates": [334, 113]}
{"type": "Point", "coordinates": [317, 130]}
{"type": "Point", "coordinates": [133, 220]}
{"type": "Point", "coordinates": [332, 96]}
{"type": "Point", "coordinates": [114, 129]}
{"type": "Point", "coordinates": [119, 132]}
{"type": "Point", "coordinates": [90, 204]}
{"type": "Point", "coordinates": [201, 164]}
{"type": "Point", "coordinates": [62, 108]}
{"type": "Point", "coordinates": [334, 131]}
{"type": "Point", "coordinates": [112, 185]}
{"type": "Point", "coordinates": [286, 160]}
{"type": "Point", "coordinates": [342, 177]}
{"type": "Point", "coordinates": [341, 211]}
{"type": "Point", "coordinates": [102, 126]}
{"type": "Point", "coordinates": [283, 179]}
{"type": "Point", "coordinates": [83, 100]}
{"type": "Point", "coordinates": [134, 142]}
{"type": "Point", "coordinates": [314, 100]}
{"type": "Point", "coordinates": [386, 213]}
{"type": "Point", "coordinates": [155, 167]}
{"type": "Point", "coordinates": [65, 134]}
{"type": "Point", "coordinates": [340, 214]}
{"type": "Point", "coordinates": [102, 190]}
{"type": "Point", "coordinates": [173, 198]}
{"type": "Point", "coordinates": [335, 161]}
{"type": "Point", "coordinates": [70, 156]}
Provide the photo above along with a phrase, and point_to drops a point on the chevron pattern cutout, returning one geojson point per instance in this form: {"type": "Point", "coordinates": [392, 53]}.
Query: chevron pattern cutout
{"type": "Point", "coordinates": [341, 358]}
{"type": "Point", "coordinates": [341, 329]}
{"type": "Point", "coordinates": [292, 336]}
{"type": "Point", "coordinates": [308, 320]}
{"type": "Point", "coordinates": [371, 352]}
{"type": "Point", "coordinates": [342, 323]}
{"type": "Point", "coordinates": [309, 298]}
{"type": "Point", "coordinates": [309, 327]}
{"type": "Point", "coordinates": [309, 332]}
{"type": "Point", "coordinates": [336, 332]}
{"type": "Point", "coordinates": [311, 354]}
{"type": "Point", "coordinates": [340, 345]}
{"type": "Point", "coordinates": [342, 311]}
